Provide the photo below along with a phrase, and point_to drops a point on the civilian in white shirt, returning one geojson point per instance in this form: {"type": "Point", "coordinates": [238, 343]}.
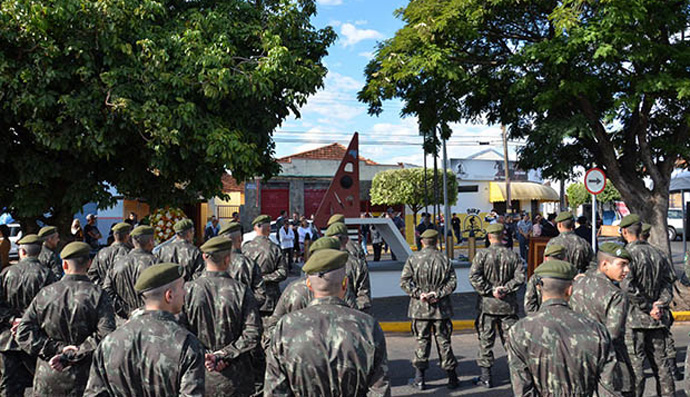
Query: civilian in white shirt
{"type": "Point", "coordinates": [287, 241]}
{"type": "Point", "coordinates": [303, 232]}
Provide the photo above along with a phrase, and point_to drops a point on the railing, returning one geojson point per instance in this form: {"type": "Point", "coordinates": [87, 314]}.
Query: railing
{"type": "Point", "coordinates": [225, 211]}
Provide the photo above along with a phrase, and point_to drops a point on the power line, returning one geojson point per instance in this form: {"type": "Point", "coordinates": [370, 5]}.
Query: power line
{"type": "Point", "coordinates": [371, 142]}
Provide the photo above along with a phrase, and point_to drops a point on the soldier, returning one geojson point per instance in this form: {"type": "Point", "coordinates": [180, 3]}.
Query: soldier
{"type": "Point", "coordinates": [19, 285]}
{"type": "Point", "coordinates": [578, 251]}
{"type": "Point", "coordinates": [356, 269]}
{"type": "Point", "coordinates": [429, 279]}
{"type": "Point", "coordinates": [120, 280]}
{"type": "Point", "coordinates": [598, 296]}
{"type": "Point", "coordinates": [532, 293]}
{"type": "Point", "coordinates": [64, 324]}
{"type": "Point", "coordinates": [182, 251]}
{"type": "Point", "coordinates": [327, 349]}
{"type": "Point", "coordinates": [151, 354]}
{"type": "Point", "coordinates": [105, 258]}
{"type": "Point", "coordinates": [649, 290]}
{"type": "Point", "coordinates": [557, 352]}
{"type": "Point", "coordinates": [242, 268]}
{"type": "Point", "coordinates": [352, 248]}
{"type": "Point", "coordinates": [223, 314]}
{"type": "Point", "coordinates": [49, 256]}
{"type": "Point", "coordinates": [496, 274]}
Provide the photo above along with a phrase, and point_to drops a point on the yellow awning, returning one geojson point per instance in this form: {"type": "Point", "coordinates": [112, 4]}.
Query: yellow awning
{"type": "Point", "coordinates": [522, 191]}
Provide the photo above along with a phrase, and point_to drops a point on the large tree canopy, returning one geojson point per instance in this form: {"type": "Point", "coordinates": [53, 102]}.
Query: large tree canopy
{"type": "Point", "coordinates": [154, 97]}
{"type": "Point", "coordinates": [587, 83]}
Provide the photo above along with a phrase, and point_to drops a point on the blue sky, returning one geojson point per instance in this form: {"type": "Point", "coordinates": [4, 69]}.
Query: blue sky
{"type": "Point", "coordinates": [334, 113]}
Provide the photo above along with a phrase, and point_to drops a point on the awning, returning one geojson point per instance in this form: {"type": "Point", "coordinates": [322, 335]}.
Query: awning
{"type": "Point", "coordinates": [522, 191]}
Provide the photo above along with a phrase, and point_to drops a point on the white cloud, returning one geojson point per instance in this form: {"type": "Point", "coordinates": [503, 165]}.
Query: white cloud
{"type": "Point", "coordinates": [367, 54]}
{"type": "Point", "coordinates": [329, 2]}
{"type": "Point", "coordinates": [351, 35]}
{"type": "Point", "coordinates": [335, 23]}
{"type": "Point", "coordinates": [361, 22]}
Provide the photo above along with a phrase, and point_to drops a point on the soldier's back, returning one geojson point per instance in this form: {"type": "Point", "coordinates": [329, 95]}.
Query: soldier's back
{"type": "Point", "coordinates": [594, 296]}
{"type": "Point", "coordinates": [247, 272]}
{"type": "Point", "coordinates": [578, 251]}
{"type": "Point", "coordinates": [184, 254]}
{"type": "Point", "coordinates": [429, 270]}
{"type": "Point", "coordinates": [51, 260]}
{"type": "Point", "coordinates": [125, 273]}
{"type": "Point", "coordinates": [647, 282]}
{"type": "Point", "coordinates": [104, 261]}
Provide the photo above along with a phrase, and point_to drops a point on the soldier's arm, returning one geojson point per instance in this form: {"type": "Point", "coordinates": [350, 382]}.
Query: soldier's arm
{"type": "Point", "coordinates": [96, 386]}
{"type": "Point", "coordinates": [666, 295]}
{"type": "Point", "coordinates": [518, 275]}
{"type": "Point", "coordinates": [258, 285]}
{"type": "Point", "coordinates": [32, 339]}
{"type": "Point", "coordinates": [192, 370]}
{"type": "Point", "coordinates": [280, 273]}
{"type": "Point", "coordinates": [379, 384]}
{"type": "Point", "coordinates": [198, 265]}
{"type": "Point", "coordinates": [119, 306]}
{"type": "Point", "coordinates": [363, 286]}
{"type": "Point", "coordinates": [616, 314]}
{"type": "Point", "coordinates": [104, 326]}
{"type": "Point", "coordinates": [531, 297]}
{"type": "Point", "coordinates": [476, 276]}
{"type": "Point", "coordinates": [449, 285]}
{"type": "Point", "coordinates": [275, 380]}
{"type": "Point", "coordinates": [93, 271]}
{"type": "Point", "coordinates": [282, 308]}
{"type": "Point", "coordinates": [520, 377]}
{"type": "Point", "coordinates": [406, 282]}
{"type": "Point", "coordinates": [251, 330]}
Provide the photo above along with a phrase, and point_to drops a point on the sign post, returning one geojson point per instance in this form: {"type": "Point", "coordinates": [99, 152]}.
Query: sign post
{"type": "Point", "coordinates": [595, 183]}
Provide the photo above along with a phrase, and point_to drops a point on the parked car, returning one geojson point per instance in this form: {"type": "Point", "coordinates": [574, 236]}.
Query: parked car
{"type": "Point", "coordinates": [15, 235]}
{"type": "Point", "coordinates": [675, 223]}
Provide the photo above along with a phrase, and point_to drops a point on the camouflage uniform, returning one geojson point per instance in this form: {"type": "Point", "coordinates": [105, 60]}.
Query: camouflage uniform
{"type": "Point", "coordinates": [274, 269]}
{"type": "Point", "coordinates": [74, 312]}
{"type": "Point", "coordinates": [355, 250]}
{"type": "Point", "coordinates": [648, 282]}
{"type": "Point", "coordinates": [184, 254]}
{"type": "Point", "coordinates": [223, 314]}
{"type": "Point", "coordinates": [20, 284]}
{"type": "Point", "coordinates": [120, 280]}
{"type": "Point", "coordinates": [359, 285]}
{"type": "Point", "coordinates": [557, 352]}
{"type": "Point", "coordinates": [667, 319]}
{"type": "Point", "coordinates": [426, 271]}
{"type": "Point", "coordinates": [327, 349]}
{"type": "Point", "coordinates": [150, 355]}
{"type": "Point", "coordinates": [497, 266]}
{"type": "Point", "coordinates": [104, 260]}
{"type": "Point", "coordinates": [51, 260]}
{"type": "Point", "coordinates": [532, 297]}
{"type": "Point", "coordinates": [578, 251]}
{"type": "Point", "coordinates": [248, 273]}
{"type": "Point", "coordinates": [602, 300]}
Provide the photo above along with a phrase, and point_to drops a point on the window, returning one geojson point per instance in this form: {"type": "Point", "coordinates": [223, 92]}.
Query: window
{"type": "Point", "coordinates": [468, 189]}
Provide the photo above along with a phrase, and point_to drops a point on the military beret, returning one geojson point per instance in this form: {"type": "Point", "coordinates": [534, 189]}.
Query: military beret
{"type": "Point", "coordinates": [324, 261]}
{"type": "Point", "coordinates": [556, 268]}
{"type": "Point", "coordinates": [495, 228]}
{"type": "Point", "coordinates": [616, 250]}
{"type": "Point", "coordinates": [230, 228]}
{"type": "Point", "coordinates": [261, 219]}
{"type": "Point", "coordinates": [646, 228]}
{"type": "Point", "coordinates": [30, 239]}
{"type": "Point", "coordinates": [47, 231]}
{"type": "Point", "coordinates": [336, 229]}
{"type": "Point", "coordinates": [629, 220]}
{"type": "Point", "coordinates": [75, 249]}
{"type": "Point", "coordinates": [564, 216]}
{"type": "Point", "coordinates": [158, 276]}
{"type": "Point", "coordinates": [142, 231]}
{"type": "Point", "coordinates": [429, 233]}
{"type": "Point", "coordinates": [336, 218]}
{"type": "Point", "coordinates": [323, 243]}
{"type": "Point", "coordinates": [215, 244]}
{"type": "Point", "coordinates": [554, 250]}
{"type": "Point", "coordinates": [183, 225]}
{"type": "Point", "coordinates": [122, 227]}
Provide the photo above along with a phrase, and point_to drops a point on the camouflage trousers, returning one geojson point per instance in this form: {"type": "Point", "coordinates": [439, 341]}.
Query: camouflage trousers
{"type": "Point", "coordinates": [487, 325]}
{"type": "Point", "coordinates": [442, 331]}
{"type": "Point", "coordinates": [650, 344]}
{"type": "Point", "coordinates": [16, 373]}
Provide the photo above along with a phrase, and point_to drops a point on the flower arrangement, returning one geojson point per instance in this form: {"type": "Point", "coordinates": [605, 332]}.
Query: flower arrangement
{"type": "Point", "coordinates": [162, 220]}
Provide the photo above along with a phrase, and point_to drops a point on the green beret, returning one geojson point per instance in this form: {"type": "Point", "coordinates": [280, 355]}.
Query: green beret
{"type": "Point", "coordinates": [336, 229]}
{"type": "Point", "coordinates": [76, 249]}
{"type": "Point", "coordinates": [183, 225]}
{"type": "Point", "coordinates": [158, 276]}
{"type": "Point", "coordinates": [261, 219]}
{"type": "Point", "coordinates": [215, 244]}
{"type": "Point", "coordinates": [47, 231]}
{"type": "Point", "coordinates": [646, 228]}
{"type": "Point", "coordinates": [231, 228]}
{"type": "Point", "coordinates": [429, 233]}
{"type": "Point", "coordinates": [122, 227]}
{"type": "Point", "coordinates": [495, 228]}
{"type": "Point", "coordinates": [555, 250]}
{"type": "Point", "coordinates": [630, 220]}
{"type": "Point", "coordinates": [323, 243]}
{"type": "Point", "coordinates": [142, 231]}
{"type": "Point", "coordinates": [564, 216]}
{"type": "Point", "coordinates": [30, 239]}
{"type": "Point", "coordinates": [324, 261]}
{"type": "Point", "coordinates": [616, 250]}
{"type": "Point", "coordinates": [336, 218]}
{"type": "Point", "coordinates": [556, 268]}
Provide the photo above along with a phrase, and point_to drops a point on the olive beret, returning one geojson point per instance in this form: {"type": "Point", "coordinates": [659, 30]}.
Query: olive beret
{"type": "Point", "coordinates": [323, 243]}
{"type": "Point", "coordinates": [183, 225]}
{"type": "Point", "coordinates": [158, 276]}
{"type": "Point", "coordinates": [630, 220]}
{"type": "Point", "coordinates": [336, 229]}
{"type": "Point", "coordinates": [495, 228]}
{"type": "Point", "coordinates": [646, 228]}
{"type": "Point", "coordinates": [324, 261]}
{"type": "Point", "coordinates": [30, 239]}
{"type": "Point", "coordinates": [142, 230]}
{"type": "Point", "coordinates": [554, 250]}
{"type": "Point", "coordinates": [215, 244]}
{"type": "Point", "coordinates": [76, 249]}
{"type": "Point", "coordinates": [429, 233]}
{"type": "Point", "coordinates": [47, 231]}
{"type": "Point", "coordinates": [564, 216]}
{"type": "Point", "coordinates": [556, 268]}
{"type": "Point", "coordinates": [261, 219]}
{"type": "Point", "coordinates": [616, 250]}
{"type": "Point", "coordinates": [230, 228]}
{"type": "Point", "coordinates": [122, 227]}
{"type": "Point", "coordinates": [336, 218]}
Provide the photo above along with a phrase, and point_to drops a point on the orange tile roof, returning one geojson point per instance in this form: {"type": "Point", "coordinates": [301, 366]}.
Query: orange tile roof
{"type": "Point", "coordinates": [334, 151]}
{"type": "Point", "coordinates": [230, 184]}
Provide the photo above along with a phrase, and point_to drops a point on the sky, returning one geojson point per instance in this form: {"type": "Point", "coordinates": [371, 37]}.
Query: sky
{"type": "Point", "coordinates": [334, 113]}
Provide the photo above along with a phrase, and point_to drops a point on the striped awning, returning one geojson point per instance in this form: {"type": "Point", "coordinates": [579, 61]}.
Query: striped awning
{"type": "Point", "coordinates": [522, 191]}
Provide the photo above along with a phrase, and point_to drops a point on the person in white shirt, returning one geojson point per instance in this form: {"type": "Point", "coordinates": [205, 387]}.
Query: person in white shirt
{"type": "Point", "coordinates": [304, 233]}
{"type": "Point", "coordinates": [287, 241]}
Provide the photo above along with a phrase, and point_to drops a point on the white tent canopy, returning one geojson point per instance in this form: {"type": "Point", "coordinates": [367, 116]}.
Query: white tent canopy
{"type": "Point", "coordinates": [681, 182]}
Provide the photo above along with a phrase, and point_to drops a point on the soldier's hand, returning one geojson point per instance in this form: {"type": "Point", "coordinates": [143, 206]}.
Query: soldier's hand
{"type": "Point", "coordinates": [56, 364]}
{"type": "Point", "coordinates": [15, 325]}
{"type": "Point", "coordinates": [422, 296]}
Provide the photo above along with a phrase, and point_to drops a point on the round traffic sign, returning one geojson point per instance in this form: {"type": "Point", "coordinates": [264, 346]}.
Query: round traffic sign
{"type": "Point", "coordinates": [595, 181]}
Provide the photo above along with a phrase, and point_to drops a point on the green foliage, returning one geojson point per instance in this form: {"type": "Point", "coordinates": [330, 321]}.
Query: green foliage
{"type": "Point", "coordinates": [406, 186]}
{"type": "Point", "coordinates": [578, 194]}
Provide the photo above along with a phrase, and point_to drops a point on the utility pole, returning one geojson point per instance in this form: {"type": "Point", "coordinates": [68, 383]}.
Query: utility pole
{"type": "Point", "coordinates": [506, 166]}
{"type": "Point", "coordinates": [446, 207]}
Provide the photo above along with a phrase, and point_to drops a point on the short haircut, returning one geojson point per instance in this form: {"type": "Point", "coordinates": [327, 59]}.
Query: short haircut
{"type": "Point", "coordinates": [142, 240]}
{"type": "Point", "coordinates": [329, 283]}
{"type": "Point", "coordinates": [157, 293]}
{"type": "Point", "coordinates": [185, 232]}
{"type": "Point", "coordinates": [120, 235]}
{"type": "Point", "coordinates": [568, 223]}
{"type": "Point", "coordinates": [635, 229]}
{"type": "Point", "coordinates": [31, 249]}
{"type": "Point", "coordinates": [555, 286]}
{"type": "Point", "coordinates": [217, 257]}
{"type": "Point", "coordinates": [430, 240]}
{"type": "Point", "coordinates": [79, 263]}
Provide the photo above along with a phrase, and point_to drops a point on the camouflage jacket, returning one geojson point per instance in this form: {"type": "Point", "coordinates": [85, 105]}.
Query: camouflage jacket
{"type": "Point", "coordinates": [359, 285]}
{"type": "Point", "coordinates": [577, 250]}
{"type": "Point", "coordinates": [184, 254]}
{"type": "Point", "coordinates": [119, 283]}
{"type": "Point", "coordinates": [557, 352]}
{"type": "Point", "coordinates": [20, 284]}
{"type": "Point", "coordinates": [248, 273]}
{"type": "Point", "coordinates": [51, 260]}
{"type": "Point", "coordinates": [497, 266]}
{"type": "Point", "coordinates": [532, 297]}
{"type": "Point", "coordinates": [223, 314]}
{"type": "Point", "coordinates": [327, 349]}
{"type": "Point", "coordinates": [648, 281]}
{"type": "Point", "coordinates": [72, 311]}
{"type": "Point", "coordinates": [104, 261]}
{"type": "Point", "coordinates": [354, 249]}
{"type": "Point", "coordinates": [429, 270]}
{"type": "Point", "coordinates": [273, 266]}
{"type": "Point", "coordinates": [150, 355]}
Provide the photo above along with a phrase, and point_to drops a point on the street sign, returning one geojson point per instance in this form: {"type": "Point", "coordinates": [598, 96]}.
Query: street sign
{"type": "Point", "coordinates": [595, 181]}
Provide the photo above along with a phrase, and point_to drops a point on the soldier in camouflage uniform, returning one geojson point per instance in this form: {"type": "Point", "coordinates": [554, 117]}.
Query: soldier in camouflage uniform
{"type": "Point", "coordinates": [558, 352]}
{"type": "Point", "coordinates": [151, 354]}
{"type": "Point", "coordinates": [532, 293]}
{"type": "Point", "coordinates": [19, 284]}
{"type": "Point", "coordinates": [105, 258]}
{"type": "Point", "coordinates": [429, 279]}
{"type": "Point", "coordinates": [49, 256]}
{"type": "Point", "coordinates": [120, 280]}
{"type": "Point", "coordinates": [496, 274]}
{"type": "Point", "coordinates": [356, 269]}
{"type": "Point", "coordinates": [182, 251]}
{"type": "Point", "coordinates": [242, 268]}
{"type": "Point", "coordinates": [327, 349]}
{"type": "Point", "coordinates": [650, 292]}
{"type": "Point", "coordinates": [351, 247]}
{"type": "Point", "coordinates": [598, 296]}
{"type": "Point", "coordinates": [577, 250]}
{"type": "Point", "coordinates": [64, 324]}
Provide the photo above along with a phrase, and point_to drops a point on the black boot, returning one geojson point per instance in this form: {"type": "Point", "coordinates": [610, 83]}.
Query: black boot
{"type": "Point", "coordinates": [484, 379]}
{"type": "Point", "coordinates": [453, 382]}
{"type": "Point", "coordinates": [418, 382]}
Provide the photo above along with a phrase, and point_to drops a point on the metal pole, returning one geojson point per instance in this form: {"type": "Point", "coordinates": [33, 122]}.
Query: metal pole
{"type": "Point", "coordinates": [426, 187]}
{"type": "Point", "coordinates": [594, 223]}
{"type": "Point", "coordinates": [506, 164]}
{"type": "Point", "coordinates": [685, 223]}
{"type": "Point", "coordinates": [446, 208]}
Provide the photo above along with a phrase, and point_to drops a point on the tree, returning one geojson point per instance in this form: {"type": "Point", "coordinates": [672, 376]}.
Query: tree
{"type": "Point", "coordinates": [155, 98]}
{"type": "Point", "coordinates": [585, 82]}
{"type": "Point", "coordinates": [406, 186]}
{"type": "Point", "coordinates": [578, 194]}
